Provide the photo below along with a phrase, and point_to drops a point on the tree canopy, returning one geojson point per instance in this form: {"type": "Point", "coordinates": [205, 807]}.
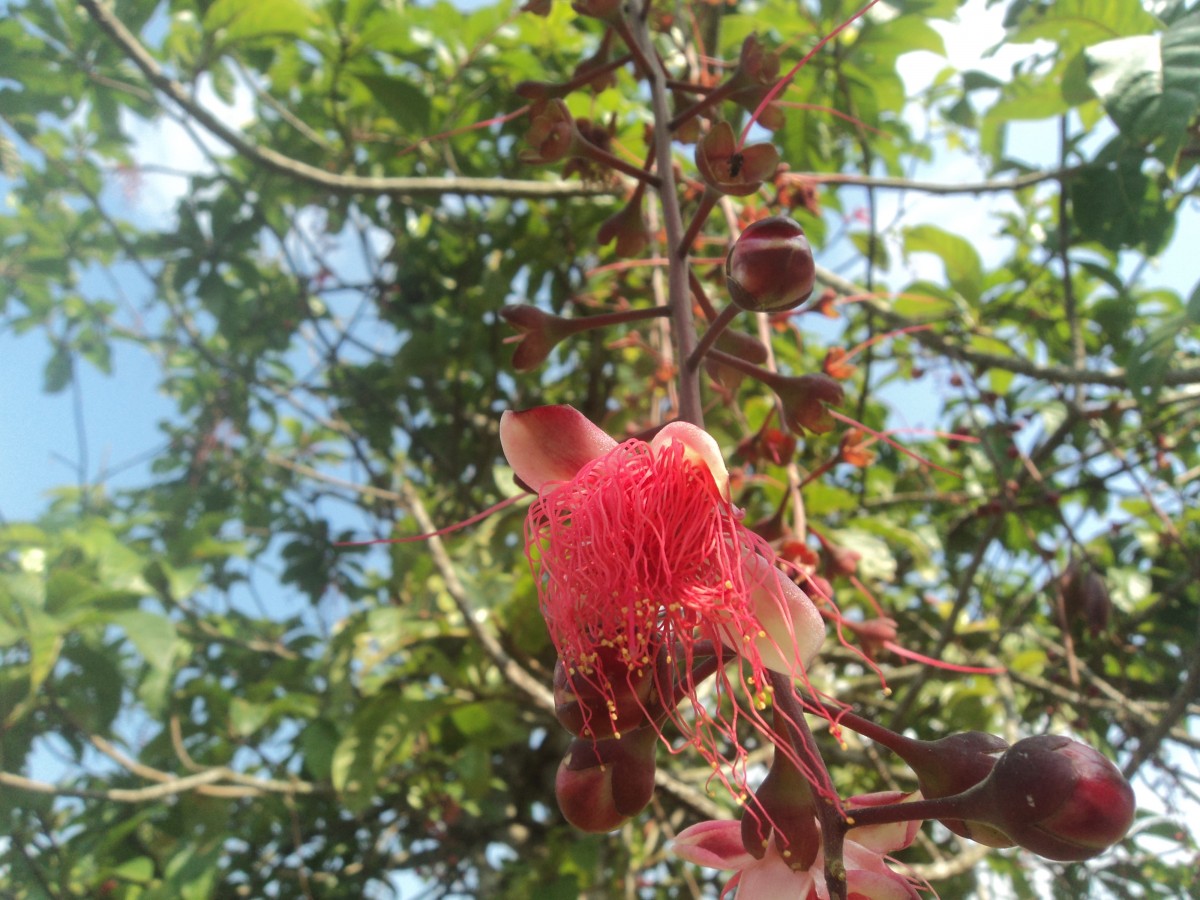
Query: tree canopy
{"type": "Point", "coordinates": [975, 445]}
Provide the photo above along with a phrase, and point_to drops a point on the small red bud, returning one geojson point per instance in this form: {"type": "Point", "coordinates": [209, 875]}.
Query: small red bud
{"type": "Point", "coordinates": [1061, 799]}
{"type": "Point", "coordinates": [770, 267]}
{"type": "Point", "coordinates": [600, 784]}
{"type": "Point", "coordinates": [804, 400]}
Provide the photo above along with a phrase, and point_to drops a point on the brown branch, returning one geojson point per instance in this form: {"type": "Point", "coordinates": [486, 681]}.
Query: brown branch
{"type": "Point", "coordinates": [683, 330]}
{"type": "Point", "coordinates": [932, 340]}
{"type": "Point", "coordinates": [294, 168]}
{"type": "Point", "coordinates": [934, 187]}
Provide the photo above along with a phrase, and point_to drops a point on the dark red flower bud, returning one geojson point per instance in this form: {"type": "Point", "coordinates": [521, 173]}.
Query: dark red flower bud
{"type": "Point", "coordinates": [1085, 598]}
{"type": "Point", "coordinates": [1060, 799]}
{"type": "Point", "coordinates": [732, 171]}
{"type": "Point", "coordinates": [804, 400]}
{"type": "Point", "coordinates": [628, 228]}
{"type": "Point", "coordinates": [770, 267]}
{"type": "Point", "coordinates": [783, 804]}
{"type": "Point", "coordinates": [628, 699]}
{"type": "Point", "coordinates": [602, 783]}
{"type": "Point", "coordinates": [539, 333]}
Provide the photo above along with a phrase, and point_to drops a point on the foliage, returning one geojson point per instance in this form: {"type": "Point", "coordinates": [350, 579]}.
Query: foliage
{"type": "Point", "coordinates": [201, 694]}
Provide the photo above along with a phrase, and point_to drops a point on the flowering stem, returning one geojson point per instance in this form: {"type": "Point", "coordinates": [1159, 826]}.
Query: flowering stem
{"type": "Point", "coordinates": [829, 808]}
{"type": "Point", "coordinates": [767, 377]}
{"type": "Point", "coordinates": [585, 323]}
{"type": "Point", "coordinates": [958, 806]}
{"type": "Point", "coordinates": [584, 147]}
{"type": "Point", "coordinates": [701, 296]}
{"type": "Point", "coordinates": [715, 327]}
{"type": "Point", "coordinates": [699, 217]}
{"type": "Point", "coordinates": [717, 94]}
{"type": "Point", "coordinates": [683, 330]}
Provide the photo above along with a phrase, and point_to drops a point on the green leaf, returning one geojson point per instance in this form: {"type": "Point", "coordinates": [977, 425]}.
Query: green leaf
{"type": "Point", "coordinates": [964, 270]}
{"type": "Point", "coordinates": [57, 374]}
{"type": "Point", "coordinates": [1150, 84]}
{"type": "Point", "coordinates": [45, 636]}
{"type": "Point", "coordinates": [240, 21]}
{"type": "Point", "coordinates": [402, 100]}
{"type": "Point", "coordinates": [1119, 206]}
{"type": "Point", "coordinates": [154, 638]}
{"type": "Point", "coordinates": [1075, 24]}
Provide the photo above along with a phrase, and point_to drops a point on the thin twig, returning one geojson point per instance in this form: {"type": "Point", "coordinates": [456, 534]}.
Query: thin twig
{"type": "Point", "coordinates": [294, 168]}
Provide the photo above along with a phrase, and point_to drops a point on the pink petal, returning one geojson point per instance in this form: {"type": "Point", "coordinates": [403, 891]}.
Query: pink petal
{"type": "Point", "coordinates": [883, 838]}
{"type": "Point", "coordinates": [794, 629]}
{"type": "Point", "coordinates": [716, 843]}
{"type": "Point", "coordinates": [550, 443]}
{"type": "Point", "coordinates": [699, 448]}
{"type": "Point", "coordinates": [770, 878]}
{"type": "Point", "coordinates": [862, 885]}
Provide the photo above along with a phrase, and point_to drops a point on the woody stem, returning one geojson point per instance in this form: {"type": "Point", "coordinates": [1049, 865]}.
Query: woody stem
{"type": "Point", "coordinates": [585, 323]}
{"type": "Point", "coordinates": [715, 327]}
{"type": "Point", "coordinates": [683, 330]}
{"type": "Point", "coordinates": [699, 217]}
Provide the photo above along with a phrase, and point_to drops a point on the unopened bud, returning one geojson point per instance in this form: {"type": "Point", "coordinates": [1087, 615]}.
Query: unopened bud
{"type": "Point", "coordinates": [623, 700]}
{"type": "Point", "coordinates": [1061, 799]}
{"type": "Point", "coordinates": [804, 398]}
{"type": "Point", "coordinates": [953, 765]}
{"type": "Point", "coordinates": [784, 804]}
{"type": "Point", "coordinates": [601, 784]}
{"type": "Point", "coordinates": [770, 267]}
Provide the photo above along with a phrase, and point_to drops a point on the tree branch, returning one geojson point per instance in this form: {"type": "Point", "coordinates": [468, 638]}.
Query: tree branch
{"type": "Point", "coordinates": [939, 343]}
{"type": "Point", "coordinates": [294, 168]}
{"type": "Point", "coordinates": [1003, 185]}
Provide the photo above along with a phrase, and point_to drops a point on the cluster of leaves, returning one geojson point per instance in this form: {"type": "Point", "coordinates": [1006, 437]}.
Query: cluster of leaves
{"type": "Point", "coordinates": [200, 695]}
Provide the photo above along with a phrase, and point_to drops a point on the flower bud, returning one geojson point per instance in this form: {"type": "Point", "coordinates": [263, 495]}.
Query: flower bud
{"type": "Point", "coordinates": [784, 803]}
{"type": "Point", "coordinates": [1085, 597]}
{"type": "Point", "coordinates": [770, 267]}
{"type": "Point", "coordinates": [1060, 799]}
{"type": "Point", "coordinates": [804, 398]}
{"type": "Point", "coordinates": [628, 699]}
{"type": "Point", "coordinates": [953, 765]}
{"type": "Point", "coordinates": [539, 331]}
{"type": "Point", "coordinates": [600, 784]}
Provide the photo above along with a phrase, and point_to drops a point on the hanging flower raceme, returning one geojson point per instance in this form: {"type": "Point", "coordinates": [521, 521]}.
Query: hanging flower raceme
{"type": "Point", "coordinates": [644, 568]}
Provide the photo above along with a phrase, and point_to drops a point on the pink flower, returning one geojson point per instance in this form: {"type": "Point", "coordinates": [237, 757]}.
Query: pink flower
{"type": "Point", "coordinates": [639, 555]}
{"type": "Point", "coordinates": [718, 845]}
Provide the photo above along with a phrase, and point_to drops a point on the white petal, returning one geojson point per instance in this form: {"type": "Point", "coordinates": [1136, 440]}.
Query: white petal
{"type": "Point", "coordinates": [699, 448]}
{"type": "Point", "coordinates": [794, 629]}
